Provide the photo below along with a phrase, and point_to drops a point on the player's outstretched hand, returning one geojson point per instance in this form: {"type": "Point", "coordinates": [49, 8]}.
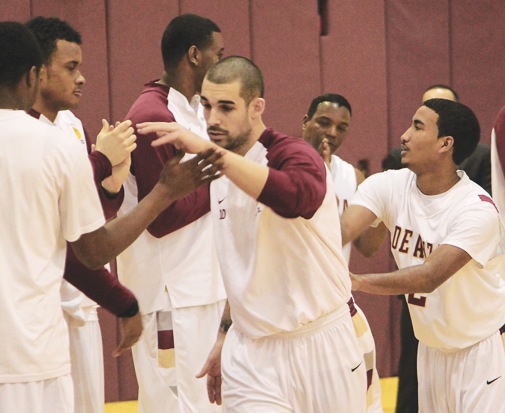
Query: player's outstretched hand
{"type": "Point", "coordinates": [181, 178]}
{"type": "Point", "coordinates": [212, 369]}
{"type": "Point", "coordinates": [177, 135]}
{"type": "Point", "coordinates": [116, 142]}
{"type": "Point", "coordinates": [130, 329]}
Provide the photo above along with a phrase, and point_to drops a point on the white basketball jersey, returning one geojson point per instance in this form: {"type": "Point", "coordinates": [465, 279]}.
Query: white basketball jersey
{"type": "Point", "coordinates": [469, 306]}
{"type": "Point", "coordinates": [279, 273]}
{"type": "Point", "coordinates": [73, 301]}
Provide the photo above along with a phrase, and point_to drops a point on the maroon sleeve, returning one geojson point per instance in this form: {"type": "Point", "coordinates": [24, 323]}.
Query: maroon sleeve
{"type": "Point", "coordinates": [499, 129]}
{"type": "Point", "coordinates": [101, 165]}
{"type": "Point", "coordinates": [148, 161]}
{"type": "Point", "coordinates": [99, 285]}
{"type": "Point", "coordinates": [296, 184]}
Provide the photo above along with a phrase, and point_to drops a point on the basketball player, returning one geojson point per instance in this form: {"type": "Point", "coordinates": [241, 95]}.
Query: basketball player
{"type": "Point", "coordinates": [61, 89]}
{"type": "Point", "coordinates": [478, 168]}
{"type": "Point", "coordinates": [292, 344]}
{"type": "Point", "coordinates": [446, 238]}
{"type": "Point", "coordinates": [325, 127]}
{"type": "Point", "coordinates": [172, 268]}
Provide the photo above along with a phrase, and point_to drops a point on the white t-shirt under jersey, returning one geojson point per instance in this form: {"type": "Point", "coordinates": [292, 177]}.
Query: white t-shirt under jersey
{"type": "Point", "coordinates": [48, 198]}
{"type": "Point", "coordinates": [343, 175]}
{"type": "Point", "coordinates": [469, 306]}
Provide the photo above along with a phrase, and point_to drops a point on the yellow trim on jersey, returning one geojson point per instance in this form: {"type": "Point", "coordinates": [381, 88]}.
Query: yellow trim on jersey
{"type": "Point", "coordinates": [77, 133]}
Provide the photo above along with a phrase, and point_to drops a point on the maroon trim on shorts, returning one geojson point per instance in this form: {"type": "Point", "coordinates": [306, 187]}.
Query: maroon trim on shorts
{"type": "Point", "coordinates": [165, 339]}
{"type": "Point", "coordinates": [369, 375]}
{"type": "Point", "coordinates": [352, 308]}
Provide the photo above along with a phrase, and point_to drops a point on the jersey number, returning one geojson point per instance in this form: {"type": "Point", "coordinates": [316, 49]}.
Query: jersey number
{"type": "Point", "coordinates": [419, 301]}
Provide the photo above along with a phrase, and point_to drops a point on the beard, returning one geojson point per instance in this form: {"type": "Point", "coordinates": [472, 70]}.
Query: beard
{"type": "Point", "coordinates": [235, 142]}
{"type": "Point", "coordinates": [231, 142]}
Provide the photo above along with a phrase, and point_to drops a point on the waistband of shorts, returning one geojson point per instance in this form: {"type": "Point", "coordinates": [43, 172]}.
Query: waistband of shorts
{"type": "Point", "coordinates": [321, 323]}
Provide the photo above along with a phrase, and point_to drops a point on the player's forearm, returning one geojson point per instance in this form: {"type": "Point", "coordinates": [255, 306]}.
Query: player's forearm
{"type": "Point", "coordinates": [181, 213]}
{"type": "Point", "coordinates": [247, 175]}
{"type": "Point", "coordinates": [422, 278]}
{"type": "Point", "coordinates": [438, 267]}
{"type": "Point", "coordinates": [99, 247]}
{"type": "Point", "coordinates": [406, 281]}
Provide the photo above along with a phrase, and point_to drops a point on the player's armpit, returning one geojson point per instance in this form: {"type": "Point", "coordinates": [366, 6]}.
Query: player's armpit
{"type": "Point", "coordinates": [354, 221]}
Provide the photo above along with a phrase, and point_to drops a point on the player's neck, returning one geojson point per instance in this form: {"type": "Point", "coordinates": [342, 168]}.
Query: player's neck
{"type": "Point", "coordinates": [436, 182]}
{"type": "Point", "coordinates": [10, 102]}
{"type": "Point", "coordinates": [179, 82]}
{"type": "Point", "coordinates": [15, 97]}
{"type": "Point", "coordinates": [45, 110]}
{"type": "Point", "coordinates": [254, 135]}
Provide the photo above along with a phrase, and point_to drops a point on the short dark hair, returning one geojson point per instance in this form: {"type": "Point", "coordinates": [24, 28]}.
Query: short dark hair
{"type": "Point", "coordinates": [183, 32]}
{"type": "Point", "coordinates": [458, 121]}
{"type": "Point", "coordinates": [442, 86]}
{"type": "Point", "coordinates": [48, 30]}
{"type": "Point", "coordinates": [238, 68]}
{"type": "Point", "coordinates": [328, 97]}
{"type": "Point", "coordinates": [19, 52]}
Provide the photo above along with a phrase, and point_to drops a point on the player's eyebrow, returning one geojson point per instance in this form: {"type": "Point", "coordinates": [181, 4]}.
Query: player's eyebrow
{"type": "Point", "coordinates": [221, 101]}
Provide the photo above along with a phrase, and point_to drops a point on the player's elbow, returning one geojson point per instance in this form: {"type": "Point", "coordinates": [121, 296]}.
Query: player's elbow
{"type": "Point", "coordinates": [89, 262]}
{"type": "Point", "coordinates": [90, 251]}
{"type": "Point", "coordinates": [428, 286]}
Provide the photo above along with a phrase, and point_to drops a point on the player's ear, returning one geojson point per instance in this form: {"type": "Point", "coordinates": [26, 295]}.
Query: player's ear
{"type": "Point", "coordinates": [32, 77]}
{"type": "Point", "coordinates": [194, 55]}
{"type": "Point", "coordinates": [257, 106]}
{"type": "Point", "coordinates": [304, 121]}
{"type": "Point", "coordinates": [447, 143]}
